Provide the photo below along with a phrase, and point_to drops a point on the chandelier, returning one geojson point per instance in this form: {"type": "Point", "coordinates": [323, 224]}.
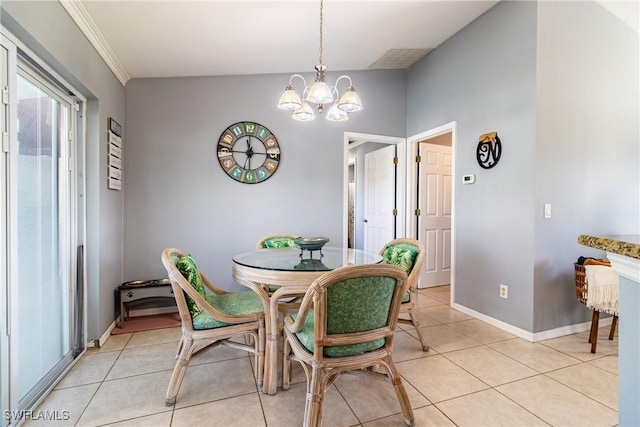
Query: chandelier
{"type": "Point", "coordinates": [321, 94]}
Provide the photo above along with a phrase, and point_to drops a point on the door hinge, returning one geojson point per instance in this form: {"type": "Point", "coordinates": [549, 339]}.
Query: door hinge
{"type": "Point", "coordinates": [395, 212]}
{"type": "Point", "coordinates": [70, 135]}
{"type": "Point", "coordinates": [395, 160]}
{"type": "Point", "coordinates": [418, 158]}
{"type": "Point", "coordinates": [5, 95]}
{"type": "Point", "coordinates": [5, 142]}
{"type": "Point", "coordinates": [417, 213]}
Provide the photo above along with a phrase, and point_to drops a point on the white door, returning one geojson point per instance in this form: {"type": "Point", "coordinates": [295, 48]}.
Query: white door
{"type": "Point", "coordinates": [435, 213]}
{"type": "Point", "coordinates": [379, 198]}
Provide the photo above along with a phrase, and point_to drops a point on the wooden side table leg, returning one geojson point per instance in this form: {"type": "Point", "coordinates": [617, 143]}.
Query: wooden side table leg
{"type": "Point", "coordinates": [593, 336]}
{"type": "Point", "coordinates": [614, 323]}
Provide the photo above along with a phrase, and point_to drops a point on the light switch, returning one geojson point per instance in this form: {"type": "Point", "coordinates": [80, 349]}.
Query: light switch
{"type": "Point", "coordinates": [547, 210]}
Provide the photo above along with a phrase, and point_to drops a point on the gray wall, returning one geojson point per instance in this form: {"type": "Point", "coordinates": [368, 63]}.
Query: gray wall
{"type": "Point", "coordinates": [46, 28]}
{"type": "Point", "coordinates": [178, 195]}
{"type": "Point", "coordinates": [558, 81]}
{"type": "Point", "coordinates": [483, 78]}
{"type": "Point", "coordinates": [587, 146]}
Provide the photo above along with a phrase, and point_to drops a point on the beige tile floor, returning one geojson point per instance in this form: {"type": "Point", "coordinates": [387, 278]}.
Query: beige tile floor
{"type": "Point", "coordinates": [473, 375]}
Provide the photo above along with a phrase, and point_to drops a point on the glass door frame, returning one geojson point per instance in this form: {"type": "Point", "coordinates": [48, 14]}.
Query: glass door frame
{"type": "Point", "coordinates": [21, 60]}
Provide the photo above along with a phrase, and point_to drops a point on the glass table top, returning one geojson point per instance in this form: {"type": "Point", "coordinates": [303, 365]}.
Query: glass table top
{"type": "Point", "coordinates": [293, 259]}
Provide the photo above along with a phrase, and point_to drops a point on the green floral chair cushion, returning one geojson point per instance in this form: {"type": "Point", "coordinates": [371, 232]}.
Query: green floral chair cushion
{"type": "Point", "coordinates": [279, 242]}
{"type": "Point", "coordinates": [353, 305]}
{"type": "Point", "coordinates": [403, 255]}
{"type": "Point", "coordinates": [236, 304]}
{"type": "Point", "coordinates": [189, 270]}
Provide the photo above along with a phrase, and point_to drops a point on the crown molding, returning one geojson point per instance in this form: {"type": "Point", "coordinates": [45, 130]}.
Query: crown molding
{"type": "Point", "coordinates": [81, 17]}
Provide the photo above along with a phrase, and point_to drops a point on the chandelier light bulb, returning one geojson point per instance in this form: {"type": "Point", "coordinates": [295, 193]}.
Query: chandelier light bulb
{"type": "Point", "coordinates": [290, 100]}
{"type": "Point", "coordinates": [320, 93]}
{"type": "Point", "coordinates": [334, 114]}
{"type": "Point", "coordinates": [350, 101]}
{"type": "Point", "coordinates": [303, 114]}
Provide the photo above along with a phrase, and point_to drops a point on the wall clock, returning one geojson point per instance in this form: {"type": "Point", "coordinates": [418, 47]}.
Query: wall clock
{"type": "Point", "coordinates": [489, 150]}
{"type": "Point", "coordinates": [248, 152]}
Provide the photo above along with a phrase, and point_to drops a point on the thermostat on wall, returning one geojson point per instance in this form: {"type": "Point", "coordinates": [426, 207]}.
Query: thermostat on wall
{"type": "Point", "coordinates": [468, 179]}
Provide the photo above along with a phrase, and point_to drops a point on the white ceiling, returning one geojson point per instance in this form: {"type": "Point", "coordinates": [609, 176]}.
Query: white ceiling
{"type": "Point", "coordinates": [160, 38]}
{"type": "Point", "coordinates": [171, 38]}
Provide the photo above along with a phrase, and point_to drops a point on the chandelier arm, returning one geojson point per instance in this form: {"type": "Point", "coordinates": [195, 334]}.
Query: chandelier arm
{"type": "Point", "coordinates": [297, 75]}
{"type": "Point", "coordinates": [343, 77]}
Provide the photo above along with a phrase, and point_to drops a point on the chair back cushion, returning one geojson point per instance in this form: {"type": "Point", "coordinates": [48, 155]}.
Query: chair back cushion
{"type": "Point", "coordinates": [401, 254]}
{"type": "Point", "coordinates": [279, 242]}
{"type": "Point", "coordinates": [186, 265]}
{"type": "Point", "coordinates": [353, 305]}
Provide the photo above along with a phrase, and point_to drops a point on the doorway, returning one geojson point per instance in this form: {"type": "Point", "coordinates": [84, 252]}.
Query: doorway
{"type": "Point", "coordinates": [433, 200]}
{"type": "Point", "coordinates": [356, 146]}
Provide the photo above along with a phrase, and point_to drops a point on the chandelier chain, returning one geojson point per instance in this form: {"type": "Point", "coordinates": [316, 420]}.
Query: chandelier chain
{"type": "Point", "coordinates": [321, 7]}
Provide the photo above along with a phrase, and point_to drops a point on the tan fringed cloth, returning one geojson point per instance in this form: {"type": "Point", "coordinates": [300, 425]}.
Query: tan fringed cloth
{"type": "Point", "coordinates": [602, 294]}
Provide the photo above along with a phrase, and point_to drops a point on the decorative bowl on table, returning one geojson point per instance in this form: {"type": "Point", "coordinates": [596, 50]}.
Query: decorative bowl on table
{"type": "Point", "coordinates": [311, 243]}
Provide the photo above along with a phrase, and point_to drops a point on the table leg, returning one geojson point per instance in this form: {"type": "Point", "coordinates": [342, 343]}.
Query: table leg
{"type": "Point", "coordinates": [271, 359]}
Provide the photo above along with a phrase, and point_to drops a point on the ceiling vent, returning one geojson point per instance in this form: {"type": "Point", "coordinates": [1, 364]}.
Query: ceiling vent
{"type": "Point", "coordinates": [399, 58]}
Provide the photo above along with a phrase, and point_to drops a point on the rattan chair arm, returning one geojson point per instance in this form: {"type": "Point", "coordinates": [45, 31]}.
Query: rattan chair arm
{"type": "Point", "coordinates": [204, 304]}
{"type": "Point", "coordinates": [303, 310]}
{"type": "Point", "coordinates": [210, 286]}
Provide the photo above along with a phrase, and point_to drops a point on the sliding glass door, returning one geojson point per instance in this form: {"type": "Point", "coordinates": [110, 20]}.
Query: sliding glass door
{"type": "Point", "coordinates": [41, 328]}
{"type": "Point", "coordinates": [40, 250]}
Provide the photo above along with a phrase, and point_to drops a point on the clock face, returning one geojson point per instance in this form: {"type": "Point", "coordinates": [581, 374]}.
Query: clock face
{"type": "Point", "coordinates": [248, 152]}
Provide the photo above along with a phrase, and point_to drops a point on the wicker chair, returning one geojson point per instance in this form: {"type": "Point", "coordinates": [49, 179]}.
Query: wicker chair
{"type": "Point", "coordinates": [409, 255]}
{"type": "Point", "coordinates": [214, 318]}
{"type": "Point", "coordinates": [346, 322]}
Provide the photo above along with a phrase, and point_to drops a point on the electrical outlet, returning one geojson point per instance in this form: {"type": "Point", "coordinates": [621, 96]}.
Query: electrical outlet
{"type": "Point", "coordinates": [504, 291]}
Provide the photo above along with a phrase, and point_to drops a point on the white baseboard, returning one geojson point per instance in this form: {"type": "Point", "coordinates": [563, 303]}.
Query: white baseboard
{"type": "Point", "coordinates": [529, 336]}
{"type": "Point", "coordinates": [100, 341]}
{"type": "Point", "coordinates": [133, 313]}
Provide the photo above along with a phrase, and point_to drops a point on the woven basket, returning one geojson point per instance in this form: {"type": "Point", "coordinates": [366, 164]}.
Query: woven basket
{"type": "Point", "coordinates": [581, 283]}
{"type": "Point", "coordinates": [582, 287]}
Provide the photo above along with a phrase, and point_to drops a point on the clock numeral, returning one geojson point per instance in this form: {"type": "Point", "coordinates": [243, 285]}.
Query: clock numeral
{"type": "Point", "coordinates": [274, 153]}
{"type": "Point", "coordinates": [262, 174]}
{"type": "Point", "coordinates": [236, 172]}
{"type": "Point", "coordinates": [227, 138]}
{"type": "Point", "coordinates": [249, 177]}
{"type": "Point", "coordinates": [228, 165]}
{"type": "Point", "coordinates": [262, 133]}
{"type": "Point", "coordinates": [270, 142]}
{"type": "Point", "coordinates": [249, 128]}
{"type": "Point", "coordinates": [270, 165]}
{"type": "Point", "coordinates": [224, 152]}
{"type": "Point", "coordinates": [237, 130]}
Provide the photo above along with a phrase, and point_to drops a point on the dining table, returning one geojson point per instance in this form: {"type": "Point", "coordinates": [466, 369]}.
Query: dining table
{"type": "Point", "coordinates": [293, 270]}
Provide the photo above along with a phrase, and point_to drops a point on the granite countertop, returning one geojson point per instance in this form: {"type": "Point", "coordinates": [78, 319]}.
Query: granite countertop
{"type": "Point", "coordinates": [628, 245]}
